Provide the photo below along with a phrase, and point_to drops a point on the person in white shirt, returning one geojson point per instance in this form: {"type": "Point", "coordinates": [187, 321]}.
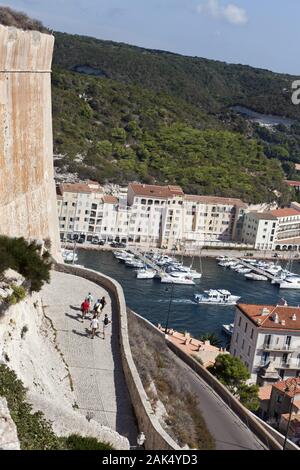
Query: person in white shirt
{"type": "Point", "coordinates": [94, 325]}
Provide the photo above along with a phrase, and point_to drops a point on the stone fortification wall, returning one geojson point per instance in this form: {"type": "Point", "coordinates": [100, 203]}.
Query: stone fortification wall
{"type": "Point", "coordinates": [27, 189]}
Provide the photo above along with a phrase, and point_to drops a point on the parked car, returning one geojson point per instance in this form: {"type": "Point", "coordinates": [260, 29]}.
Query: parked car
{"type": "Point", "coordinates": [81, 240]}
{"type": "Point", "coordinates": [101, 242]}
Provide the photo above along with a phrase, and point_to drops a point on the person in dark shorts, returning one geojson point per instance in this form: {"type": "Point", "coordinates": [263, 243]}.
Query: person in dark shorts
{"type": "Point", "coordinates": [106, 322]}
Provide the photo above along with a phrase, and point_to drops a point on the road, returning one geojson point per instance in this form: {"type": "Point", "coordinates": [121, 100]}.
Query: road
{"type": "Point", "coordinates": [229, 431]}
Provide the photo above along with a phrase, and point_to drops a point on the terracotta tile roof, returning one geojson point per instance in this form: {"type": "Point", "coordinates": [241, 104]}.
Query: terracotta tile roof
{"type": "Point", "coordinates": [286, 212]}
{"type": "Point", "coordinates": [264, 393]}
{"type": "Point", "coordinates": [294, 417]}
{"type": "Point", "coordinates": [263, 215]}
{"type": "Point", "coordinates": [254, 313]}
{"type": "Point", "coordinates": [110, 199]}
{"type": "Point", "coordinates": [226, 201]}
{"type": "Point", "coordinates": [297, 166]}
{"type": "Point", "coordinates": [79, 188]}
{"type": "Point", "coordinates": [293, 183]}
{"type": "Point", "coordinates": [281, 386]}
{"type": "Point", "coordinates": [156, 191]}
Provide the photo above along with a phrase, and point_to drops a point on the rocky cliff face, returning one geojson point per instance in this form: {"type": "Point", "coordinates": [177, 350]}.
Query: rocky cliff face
{"type": "Point", "coordinates": [27, 189]}
{"type": "Point", "coordinates": [8, 431]}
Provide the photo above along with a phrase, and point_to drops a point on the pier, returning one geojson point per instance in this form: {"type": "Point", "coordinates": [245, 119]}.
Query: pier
{"type": "Point", "coordinates": [256, 270]}
{"type": "Point", "coordinates": [145, 260]}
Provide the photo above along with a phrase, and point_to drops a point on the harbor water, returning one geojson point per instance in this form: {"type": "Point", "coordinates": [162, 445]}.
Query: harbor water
{"type": "Point", "coordinates": [152, 300]}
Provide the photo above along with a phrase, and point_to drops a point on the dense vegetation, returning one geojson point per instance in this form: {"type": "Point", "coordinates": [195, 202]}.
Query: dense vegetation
{"type": "Point", "coordinates": [114, 132]}
{"type": "Point", "coordinates": [10, 17]}
{"type": "Point", "coordinates": [34, 431]}
{"type": "Point", "coordinates": [154, 116]}
{"type": "Point", "coordinates": [209, 84]}
{"type": "Point", "coordinates": [25, 258]}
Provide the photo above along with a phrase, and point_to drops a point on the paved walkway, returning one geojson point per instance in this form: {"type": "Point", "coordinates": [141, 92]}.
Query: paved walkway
{"type": "Point", "coordinates": [95, 364]}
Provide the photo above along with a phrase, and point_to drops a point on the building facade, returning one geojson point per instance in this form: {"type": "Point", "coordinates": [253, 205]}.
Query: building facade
{"type": "Point", "coordinates": [265, 334]}
{"type": "Point", "coordinates": [150, 215]}
{"type": "Point", "coordinates": [273, 230]}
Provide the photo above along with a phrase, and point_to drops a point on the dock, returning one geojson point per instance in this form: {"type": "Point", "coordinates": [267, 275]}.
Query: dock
{"type": "Point", "coordinates": [145, 260]}
{"type": "Point", "coordinates": [256, 270]}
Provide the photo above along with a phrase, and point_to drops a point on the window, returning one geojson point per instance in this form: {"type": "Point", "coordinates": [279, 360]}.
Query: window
{"type": "Point", "coordinates": [279, 399]}
{"type": "Point", "coordinates": [243, 344]}
{"type": "Point", "coordinates": [237, 338]}
{"type": "Point", "coordinates": [249, 350]}
{"type": "Point", "coordinates": [252, 331]}
{"type": "Point", "coordinates": [240, 319]}
{"type": "Point", "coordinates": [246, 326]}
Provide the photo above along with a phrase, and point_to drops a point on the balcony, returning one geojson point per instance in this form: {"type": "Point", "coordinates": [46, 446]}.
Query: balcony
{"type": "Point", "coordinates": [278, 348]}
{"type": "Point", "coordinates": [292, 365]}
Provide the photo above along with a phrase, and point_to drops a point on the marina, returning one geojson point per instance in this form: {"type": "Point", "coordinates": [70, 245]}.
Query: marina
{"type": "Point", "coordinates": [151, 299]}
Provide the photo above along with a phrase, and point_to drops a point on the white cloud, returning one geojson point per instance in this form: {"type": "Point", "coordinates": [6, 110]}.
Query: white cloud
{"type": "Point", "coordinates": [231, 13]}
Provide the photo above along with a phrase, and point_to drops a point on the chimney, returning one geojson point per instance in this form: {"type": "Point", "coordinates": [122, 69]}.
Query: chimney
{"type": "Point", "coordinates": [275, 318]}
{"type": "Point", "coordinates": [294, 317]}
{"type": "Point", "coordinates": [265, 311]}
{"type": "Point", "coordinates": [283, 322]}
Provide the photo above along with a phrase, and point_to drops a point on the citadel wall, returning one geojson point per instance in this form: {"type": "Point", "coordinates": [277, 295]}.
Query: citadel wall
{"type": "Point", "coordinates": [27, 189]}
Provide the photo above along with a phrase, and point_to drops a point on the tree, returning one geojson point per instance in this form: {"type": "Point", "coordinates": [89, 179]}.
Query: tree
{"type": "Point", "coordinates": [212, 338]}
{"type": "Point", "coordinates": [24, 257]}
{"type": "Point", "coordinates": [248, 395]}
{"type": "Point", "coordinates": [230, 371]}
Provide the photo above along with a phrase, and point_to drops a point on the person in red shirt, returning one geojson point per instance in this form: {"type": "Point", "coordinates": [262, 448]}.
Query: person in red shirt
{"type": "Point", "coordinates": [85, 306]}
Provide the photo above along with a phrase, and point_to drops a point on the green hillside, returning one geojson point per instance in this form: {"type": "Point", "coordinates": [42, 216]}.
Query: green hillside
{"type": "Point", "coordinates": [207, 83]}
{"type": "Point", "coordinates": [114, 132]}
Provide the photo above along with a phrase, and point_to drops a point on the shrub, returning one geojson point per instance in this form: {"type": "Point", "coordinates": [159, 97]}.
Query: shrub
{"type": "Point", "coordinates": [19, 292]}
{"type": "Point", "coordinates": [24, 331]}
{"type": "Point", "coordinates": [34, 431]}
{"type": "Point", "coordinates": [24, 257]}
{"type": "Point", "coordinates": [76, 442]}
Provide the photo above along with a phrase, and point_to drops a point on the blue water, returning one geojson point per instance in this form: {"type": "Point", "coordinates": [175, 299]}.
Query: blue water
{"type": "Point", "coordinates": [151, 299]}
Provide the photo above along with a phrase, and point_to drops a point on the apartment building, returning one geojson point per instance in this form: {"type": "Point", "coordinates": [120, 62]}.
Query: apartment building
{"type": "Point", "coordinates": [156, 214]}
{"type": "Point", "coordinates": [276, 229]}
{"type": "Point", "coordinates": [151, 215]}
{"type": "Point", "coordinates": [84, 209]}
{"type": "Point", "coordinates": [265, 334]}
{"type": "Point", "coordinates": [208, 218]}
{"type": "Point", "coordinates": [259, 230]}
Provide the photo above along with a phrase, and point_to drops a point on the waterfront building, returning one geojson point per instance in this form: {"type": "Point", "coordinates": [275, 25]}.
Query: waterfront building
{"type": "Point", "coordinates": [149, 215]}
{"type": "Point", "coordinates": [276, 229]}
{"type": "Point", "coordinates": [212, 219]}
{"type": "Point", "coordinates": [259, 230]}
{"type": "Point", "coordinates": [156, 214]}
{"type": "Point", "coordinates": [84, 209]}
{"type": "Point", "coordinates": [265, 334]}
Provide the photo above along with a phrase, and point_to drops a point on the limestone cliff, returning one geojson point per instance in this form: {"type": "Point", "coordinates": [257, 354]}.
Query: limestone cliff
{"type": "Point", "coordinates": [27, 189]}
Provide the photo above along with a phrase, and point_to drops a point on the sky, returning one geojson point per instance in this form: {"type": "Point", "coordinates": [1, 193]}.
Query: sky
{"type": "Point", "coordinates": [261, 33]}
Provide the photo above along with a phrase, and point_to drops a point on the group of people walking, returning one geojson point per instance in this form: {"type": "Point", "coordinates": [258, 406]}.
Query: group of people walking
{"type": "Point", "coordinates": [86, 308]}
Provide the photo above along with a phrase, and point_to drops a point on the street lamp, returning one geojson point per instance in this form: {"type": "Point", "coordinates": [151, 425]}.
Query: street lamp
{"type": "Point", "coordinates": [169, 309]}
{"type": "Point", "coordinates": [291, 386]}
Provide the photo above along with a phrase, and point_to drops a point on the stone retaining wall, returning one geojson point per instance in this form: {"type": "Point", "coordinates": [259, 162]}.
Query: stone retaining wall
{"type": "Point", "coordinates": [246, 416]}
{"type": "Point", "coordinates": [156, 437]}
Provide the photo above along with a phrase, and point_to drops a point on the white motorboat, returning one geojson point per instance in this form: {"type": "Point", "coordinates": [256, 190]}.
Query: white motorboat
{"type": "Point", "coordinates": [217, 297]}
{"type": "Point", "coordinates": [243, 270]}
{"type": "Point", "coordinates": [169, 279]}
{"type": "Point", "coordinates": [256, 277]}
{"type": "Point", "coordinates": [134, 263]}
{"type": "Point", "coordinates": [69, 256]}
{"type": "Point", "coordinates": [145, 274]}
{"type": "Point", "coordinates": [228, 329]}
{"type": "Point", "coordinates": [290, 282]}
